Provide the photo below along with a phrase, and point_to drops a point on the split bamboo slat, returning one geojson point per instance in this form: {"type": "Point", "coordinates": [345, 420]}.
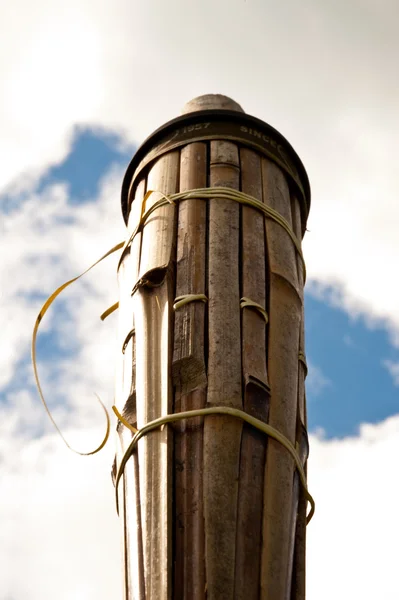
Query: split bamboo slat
{"type": "Point", "coordinates": [190, 378]}
{"type": "Point", "coordinates": [152, 308]}
{"type": "Point", "coordinates": [285, 311]}
{"type": "Point", "coordinates": [125, 400]}
{"type": "Point", "coordinates": [255, 383]}
{"type": "Point", "coordinates": [222, 434]}
{"type": "Point", "coordinates": [211, 507]}
{"type": "Point", "coordinates": [299, 505]}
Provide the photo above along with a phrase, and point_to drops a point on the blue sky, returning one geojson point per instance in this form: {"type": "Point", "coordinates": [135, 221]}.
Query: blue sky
{"type": "Point", "coordinates": [92, 153]}
{"type": "Point", "coordinates": [358, 387]}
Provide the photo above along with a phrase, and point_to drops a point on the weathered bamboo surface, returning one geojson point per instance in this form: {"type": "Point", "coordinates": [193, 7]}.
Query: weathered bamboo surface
{"type": "Point", "coordinates": [222, 434]}
{"type": "Point", "coordinates": [152, 308]}
{"type": "Point", "coordinates": [285, 310]}
{"type": "Point", "coordinates": [213, 508]}
{"type": "Point", "coordinates": [298, 583]}
{"type": "Point", "coordinates": [255, 384]}
{"type": "Point", "coordinates": [189, 370]}
{"type": "Point", "coordinates": [125, 400]}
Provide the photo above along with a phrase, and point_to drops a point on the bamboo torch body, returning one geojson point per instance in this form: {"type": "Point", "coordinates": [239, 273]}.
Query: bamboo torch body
{"type": "Point", "coordinates": [211, 507]}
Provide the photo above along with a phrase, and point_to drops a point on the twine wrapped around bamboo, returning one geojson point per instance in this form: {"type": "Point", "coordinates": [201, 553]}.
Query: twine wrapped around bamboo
{"type": "Point", "coordinates": [213, 508]}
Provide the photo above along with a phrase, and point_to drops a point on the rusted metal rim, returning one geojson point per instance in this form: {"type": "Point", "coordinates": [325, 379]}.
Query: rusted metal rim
{"type": "Point", "coordinates": [219, 124]}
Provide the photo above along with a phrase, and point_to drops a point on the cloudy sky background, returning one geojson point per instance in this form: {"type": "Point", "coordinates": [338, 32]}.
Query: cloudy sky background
{"type": "Point", "coordinates": [82, 85]}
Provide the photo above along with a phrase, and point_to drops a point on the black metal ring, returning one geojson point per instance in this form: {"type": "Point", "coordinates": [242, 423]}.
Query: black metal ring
{"type": "Point", "coordinates": [218, 124]}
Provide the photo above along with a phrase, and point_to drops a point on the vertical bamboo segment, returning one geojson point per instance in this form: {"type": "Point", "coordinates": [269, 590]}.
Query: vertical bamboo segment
{"type": "Point", "coordinates": [222, 435]}
{"type": "Point", "coordinates": [298, 589]}
{"type": "Point", "coordinates": [256, 389]}
{"type": "Point", "coordinates": [190, 379]}
{"type": "Point", "coordinates": [152, 310]}
{"type": "Point", "coordinates": [285, 317]}
{"type": "Point", "coordinates": [125, 401]}
{"type": "Point", "coordinates": [297, 228]}
{"type": "Point", "coordinates": [189, 355]}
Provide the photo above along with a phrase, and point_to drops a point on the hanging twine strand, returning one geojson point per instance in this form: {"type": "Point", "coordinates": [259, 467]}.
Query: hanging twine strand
{"type": "Point", "coordinates": [39, 318]}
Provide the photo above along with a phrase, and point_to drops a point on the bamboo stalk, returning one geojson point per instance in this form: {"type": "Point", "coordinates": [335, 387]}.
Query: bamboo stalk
{"type": "Point", "coordinates": [189, 513]}
{"type": "Point", "coordinates": [190, 379]}
{"type": "Point", "coordinates": [224, 513]}
{"type": "Point", "coordinates": [256, 391]}
{"type": "Point", "coordinates": [125, 401]}
{"type": "Point", "coordinates": [222, 435]}
{"type": "Point", "coordinates": [152, 308]}
{"type": "Point", "coordinates": [297, 228]}
{"type": "Point", "coordinates": [298, 590]}
{"type": "Point", "coordinates": [188, 358]}
{"type": "Point", "coordinates": [285, 316]}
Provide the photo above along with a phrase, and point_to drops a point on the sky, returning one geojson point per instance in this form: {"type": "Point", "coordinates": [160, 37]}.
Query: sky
{"type": "Point", "coordinates": [82, 84]}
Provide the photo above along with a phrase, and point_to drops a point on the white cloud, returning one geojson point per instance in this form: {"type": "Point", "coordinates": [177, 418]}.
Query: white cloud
{"type": "Point", "coordinates": [45, 242]}
{"type": "Point", "coordinates": [59, 524]}
{"type": "Point", "coordinates": [348, 341]}
{"type": "Point", "coordinates": [352, 540]}
{"type": "Point", "coordinates": [393, 369]}
{"type": "Point", "coordinates": [58, 509]}
{"type": "Point", "coordinates": [320, 72]}
{"type": "Point", "coordinates": [316, 380]}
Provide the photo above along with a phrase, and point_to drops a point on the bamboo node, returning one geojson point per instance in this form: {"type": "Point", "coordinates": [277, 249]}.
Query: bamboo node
{"type": "Point", "coordinates": [248, 303]}
{"type": "Point", "coordinates": [127, 340]}
{"type": "Point", "coordinates": [302, 359]}
{"type": "Point", "coordinates": [140, 283]}
{"type": "Point", "coordinates": [183, 300]}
